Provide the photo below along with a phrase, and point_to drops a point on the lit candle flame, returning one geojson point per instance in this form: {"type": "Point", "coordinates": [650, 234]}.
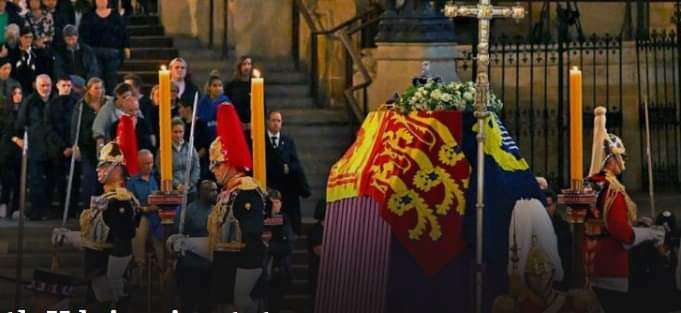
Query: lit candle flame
{"type": "Point", "coordinates": [256, 73]}
{"type": "Point", "coordinates": [164, 68]}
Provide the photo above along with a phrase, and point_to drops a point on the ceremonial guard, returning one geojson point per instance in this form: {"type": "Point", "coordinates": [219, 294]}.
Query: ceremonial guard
{"type": "Point", "coordinates": [609, 231]}
{"type": "Point", "coordinates": [235, 224]}
{"type": "Point", "coordinates": [107, 229]}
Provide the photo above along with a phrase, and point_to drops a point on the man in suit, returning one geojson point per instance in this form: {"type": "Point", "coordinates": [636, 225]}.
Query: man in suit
{"type": "Point", "coordinates": [284, 171]}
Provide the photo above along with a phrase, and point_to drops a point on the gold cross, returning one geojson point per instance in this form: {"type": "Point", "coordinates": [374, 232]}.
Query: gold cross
{"type": "Point", "coordinates": [484, 12]}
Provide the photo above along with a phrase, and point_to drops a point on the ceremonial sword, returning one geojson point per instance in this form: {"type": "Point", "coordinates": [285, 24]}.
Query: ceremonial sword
{"type": "Point", "coordinates": [72, 165]}
{"type": "Point", "coordinates": [188, 168]}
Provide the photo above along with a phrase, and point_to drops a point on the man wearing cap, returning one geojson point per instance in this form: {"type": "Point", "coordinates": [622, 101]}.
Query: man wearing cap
{"type": "Point", "coordinates": [106, 231]}
{"type": "Point", "coordinates": [236, 223]}
{"type": "Point", "coordinates": [609, 228]}
{"type": "Point", "coordinates": [74, 57]}
{"type": "Point", "coordinates": [27, 62]}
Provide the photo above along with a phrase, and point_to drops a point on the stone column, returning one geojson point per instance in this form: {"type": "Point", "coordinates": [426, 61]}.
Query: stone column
{"type": "Point", "coordinates": [410, 32]}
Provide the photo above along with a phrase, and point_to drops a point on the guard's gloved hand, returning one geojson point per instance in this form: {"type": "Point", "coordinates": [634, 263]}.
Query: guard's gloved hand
{"type": "Point", "coordinates": [646, 234]}
{"type": "Point", "coordinates": [181, 244]}
{"type": "Point", "coordinates": [62, 236]}
{"type": "Point", "coordinates": [58, 236]}
{"type": "Point", "coordinates": [176, 243]}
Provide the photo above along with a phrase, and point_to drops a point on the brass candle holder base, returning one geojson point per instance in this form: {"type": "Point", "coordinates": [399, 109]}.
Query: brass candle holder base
{"type": "Point", "coordinates": [167, 203]}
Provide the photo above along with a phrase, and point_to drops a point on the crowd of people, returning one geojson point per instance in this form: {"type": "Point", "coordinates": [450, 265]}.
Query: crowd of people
{"type": "Point", "coordinates": [61, 98]}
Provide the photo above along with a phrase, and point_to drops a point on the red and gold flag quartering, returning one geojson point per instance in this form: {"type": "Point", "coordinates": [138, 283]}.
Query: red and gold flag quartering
{"type": "Point", "coordinates": [414, 167]}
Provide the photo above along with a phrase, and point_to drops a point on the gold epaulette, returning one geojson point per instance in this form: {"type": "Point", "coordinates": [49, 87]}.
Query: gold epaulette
{"type": "Point", "coordinates": [615, 188]}
{"type": "Point", "coordinates": [245, 183]}
{"type": "Point", "coordinates": [120, 194]}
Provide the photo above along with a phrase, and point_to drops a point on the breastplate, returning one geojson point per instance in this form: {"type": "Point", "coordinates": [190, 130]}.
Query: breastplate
{"type": "Point", "coordinates": [94, 231]}
{"type": "Point", "coordinates": [226, 231]}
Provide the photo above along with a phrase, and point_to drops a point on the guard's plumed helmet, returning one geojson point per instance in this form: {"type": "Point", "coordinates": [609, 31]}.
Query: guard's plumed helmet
{"type": "Point", "coordinates": [230, 143]}
{"type": "Point", "coordinates": [605, 146]}
{"type": "Point", "coordinates": [111, 155]}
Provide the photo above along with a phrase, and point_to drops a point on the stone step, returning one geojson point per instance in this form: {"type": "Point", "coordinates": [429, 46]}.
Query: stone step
{"type": "Point", "coordinates": [315, 117]}
{"type": "Point", "coordinates": [145, 30]}
{"type": "Point", "coordinates": [37, 244]}
{"type": "Point", "coordinates": [287, 90]}
{"type": "Point", "coordinates": [228, 65]}
{"type": "Point", "coordinates": [297, 302]}
{"type": "Point", "coordinates": [154, 53]}
{"type": "Point", "coordinates": [201, 54]}
{"type": "Point", "coordinates": [42, 259]}
{"type": "Point", "coordinates": [144, 65]}
{"type": "Point", "coordinates": [288, 103]}
{"type": "Point", "coordinates": [279, 83]}
{"type": "Point", "coordinates": [137, 20]}
{"type": "Point", "coordinates": [151, 41]}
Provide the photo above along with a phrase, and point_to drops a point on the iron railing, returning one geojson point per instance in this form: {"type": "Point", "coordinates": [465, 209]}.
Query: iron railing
{"type": "Point", "coordinates": [531, 80]}
{"type": "Point", "coordinates": [658, 69]}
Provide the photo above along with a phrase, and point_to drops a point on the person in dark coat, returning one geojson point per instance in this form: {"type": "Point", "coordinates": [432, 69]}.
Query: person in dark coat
{"type": "Point", "coordinates": [103, 30]}
{"type": "Point", "coordinates": [202, 136]}
{"type": "Point", "coordinates": [194, 272]}
{"type": "Point", "coordinates": [129, 105]}
{"type": "Point", "coordinates": [7, 83]}
{"type": "Point", "coordinates": [91, 103]}
{"type": "Point", "coordinates": [239, 90]}
{"type": "Point", "coordinates": [27, 62]}
{"type": "Point", "coordinates": [186, 90]}
{"type": "Point", "coordinates": [32, 117]}
{"type": "Point", "coordinates": [59, 150]}
{"type": "Point", "coordinates": [281, 239]}
{"type": "Point", "coordinates": [63, 14]}
{"type": "Point", "coordinates": [10, 153]}
{"type": "Point", "coordinates": [74, 57]}
{"type": "Point", "coordinates": [284, 171]}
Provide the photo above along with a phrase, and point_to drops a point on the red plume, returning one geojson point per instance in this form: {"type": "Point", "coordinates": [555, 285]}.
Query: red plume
{"type": "Point", "coordinates": [232, 137]}
{"type": "Point", "coordinates": [127, 140]}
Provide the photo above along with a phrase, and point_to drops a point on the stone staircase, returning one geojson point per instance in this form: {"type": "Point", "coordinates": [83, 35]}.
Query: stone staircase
{"type": "Point", "coordinates": [321, 136]}
{"type": "Point", "coordinates": [151, 48]}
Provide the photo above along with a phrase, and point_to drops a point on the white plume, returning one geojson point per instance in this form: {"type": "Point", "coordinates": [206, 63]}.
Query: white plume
{"type": "Point", "coordinates": [530, 218]}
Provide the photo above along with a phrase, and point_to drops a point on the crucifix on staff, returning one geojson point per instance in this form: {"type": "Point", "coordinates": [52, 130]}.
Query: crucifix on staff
{"type": "Point", "coordinates": [484, 12]}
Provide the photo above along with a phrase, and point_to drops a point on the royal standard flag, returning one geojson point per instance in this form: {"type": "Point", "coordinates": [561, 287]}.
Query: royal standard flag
{"type": "Point", "coordinates": [414, 166]}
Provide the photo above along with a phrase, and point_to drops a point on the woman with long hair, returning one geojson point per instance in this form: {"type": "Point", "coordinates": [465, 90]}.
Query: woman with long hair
{"type": "Point", "coordinates": [10, 154]}
{"type": "Point", "coordinates": [239, 90]}
{"type": "Point", "coordinates": [93, 100]}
